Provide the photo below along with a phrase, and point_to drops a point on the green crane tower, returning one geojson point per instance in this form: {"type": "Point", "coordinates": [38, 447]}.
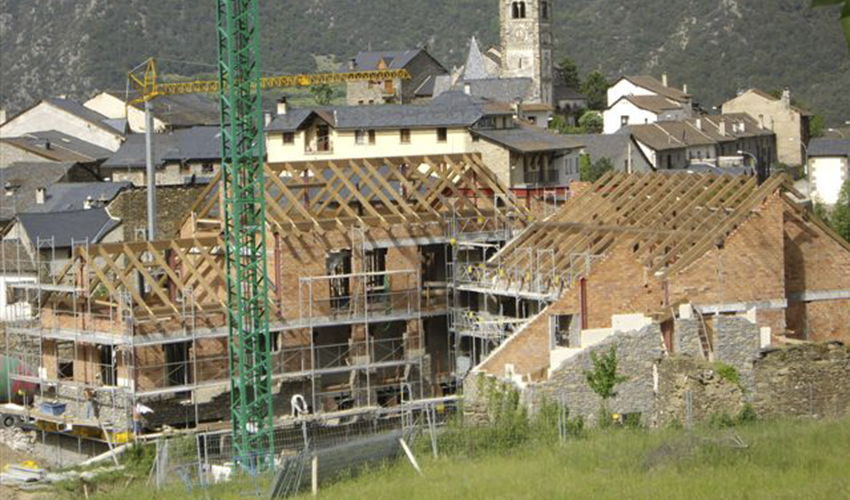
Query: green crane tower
{"type": "Point", "coordinates": [242, 145]}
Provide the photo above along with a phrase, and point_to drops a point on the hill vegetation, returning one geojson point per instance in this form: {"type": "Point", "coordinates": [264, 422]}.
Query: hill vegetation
{"type": "Point", "coordinates": [53, 47]}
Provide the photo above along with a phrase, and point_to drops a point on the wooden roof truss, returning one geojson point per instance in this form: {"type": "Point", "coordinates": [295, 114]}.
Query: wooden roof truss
{"type": "Point", "coordinates": [668, 220]}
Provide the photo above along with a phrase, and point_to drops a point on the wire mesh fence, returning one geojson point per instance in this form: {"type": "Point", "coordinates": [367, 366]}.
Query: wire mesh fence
{"type": "Point", "coordinates": [309, 451]}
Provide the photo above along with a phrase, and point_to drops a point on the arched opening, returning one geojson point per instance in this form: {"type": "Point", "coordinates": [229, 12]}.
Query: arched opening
{"type": "Point", "coordinates": [544, 10]}
{"type": "Point", "coordinates": [518, 10]}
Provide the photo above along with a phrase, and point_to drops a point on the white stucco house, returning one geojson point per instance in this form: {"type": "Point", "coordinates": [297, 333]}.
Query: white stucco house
{"type": "Point", "coordinates": [829, 169]}
{"type": "Point", "coordinates": [643, 100]}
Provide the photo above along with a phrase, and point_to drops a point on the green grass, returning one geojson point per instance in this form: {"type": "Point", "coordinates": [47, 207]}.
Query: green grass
{"type": "Point", "coordinates": [784, 460]}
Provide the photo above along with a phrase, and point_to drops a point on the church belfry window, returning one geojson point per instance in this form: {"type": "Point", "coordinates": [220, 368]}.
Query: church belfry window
{"type": "Point", "coordinates": [518, 10]}
{"type": "Point", "coordinates": [544, 10]}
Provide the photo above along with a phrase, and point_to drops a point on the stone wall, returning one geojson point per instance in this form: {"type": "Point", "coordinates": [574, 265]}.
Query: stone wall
{"type": "Point", "coordinates": [806, 380]}
{"type": "Point", "coordinates": [172, 207]}
{"type": "Point", "coordinates": [638, 354]}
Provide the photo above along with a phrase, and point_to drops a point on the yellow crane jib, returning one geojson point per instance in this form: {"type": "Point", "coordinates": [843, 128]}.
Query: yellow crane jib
{"type": "Point", "coordinates": [148, 88]}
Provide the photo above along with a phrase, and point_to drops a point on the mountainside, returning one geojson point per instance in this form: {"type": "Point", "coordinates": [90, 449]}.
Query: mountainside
{"type": "Point", "coordinates": [75, 47]}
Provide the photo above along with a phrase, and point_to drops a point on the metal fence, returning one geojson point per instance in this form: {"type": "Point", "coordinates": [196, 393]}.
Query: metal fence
{"type": "Point", "coordinates": [309, 451]}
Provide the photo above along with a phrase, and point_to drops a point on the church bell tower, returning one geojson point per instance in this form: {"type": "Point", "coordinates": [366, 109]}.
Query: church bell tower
{"type": "Point", "coordinates": [526, 33]}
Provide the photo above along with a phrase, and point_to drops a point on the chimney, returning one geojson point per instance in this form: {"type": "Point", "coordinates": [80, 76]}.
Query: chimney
{"type": "Point", "coordinates": [2, 116]}
{"type": "Point", "coordinates": [685, 88]}
{"type": "Point", "coordinates": [267, 118]}
{"type": "Point", "coordinates": [40, 196]}
{"type": "Point", "coordinates": [786, 98]}
{"type": "Point", "coordinates": [282, 106]}
{"type": "Point", "coordinates": [88, 203]}
{"type": "Point", "coordinates": [723, 128]}
{"type": "Point", "coordinates": [352, 64]}
{"type": "Point", "coordinates": [47, 145]}
{"type": "Point", "coordinates": [467, 88]}
{"type": "Point", "coordinates": [518, 109]}
{"type": "Point", "coordinates": [699, 124]}
{"type": "Point", "coordinates": [664, 79]}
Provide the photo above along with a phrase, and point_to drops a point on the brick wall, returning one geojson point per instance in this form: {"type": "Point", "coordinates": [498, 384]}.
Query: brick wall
{"type": "Point", "coordinates": [749, 267]}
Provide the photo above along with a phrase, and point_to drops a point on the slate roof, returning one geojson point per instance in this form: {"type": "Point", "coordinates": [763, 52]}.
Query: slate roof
{"type": "Point", "coordinates": [830, 148]}
{"type": "Point", "coordinates": [711, 125]}
{"type": "Point", "coordinates": [67, 228]}
{"type": "Point", "coordinates": [189, 110]}
{"type": "Point", "coordinates": [476, 67]}
{"type": "Point", "coordinates": [565, 93]}
{"type": "Point", "coordinates": [654, 103]}
{"type": "Point", "coordinates": [66, 197]}
{"type": "Point", "coordinates": [529, 139]}
{"type": "Point", "coordinates": [183, 145]}
{"type": "Point", "coordinates": [26, 178]}
{"type": "Point", "coordinates": [508, 90]}
{"type": "Point", "coordinates": [57, 146]}
{"type": "Point", "coordinates": [450, 109]}
{"type": "Point", "coordinates": [653, 84]}
{"type": "Point", "coordinates": [395, 59]}
{"type": "Point", "coordinates": [77, 109]}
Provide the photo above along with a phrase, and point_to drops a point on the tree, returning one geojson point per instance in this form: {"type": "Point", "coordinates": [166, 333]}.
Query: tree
{"type": "Point", "coordinates": [595, 87]}
{"type": "Point", "coordinates": [568, 73]}
{"type": "Point", "coordinates": [603, 379]}
{"type": "Point", "coordinates": [591, 122]}
{"type": "Point", "coordinates": [592, 172]}
{"type": "Point", "coordinates": [840, 217]}
{"type": "Point", "coordinates": [845, 14]}
{"type": "Point", "coordinates": [323, 94]}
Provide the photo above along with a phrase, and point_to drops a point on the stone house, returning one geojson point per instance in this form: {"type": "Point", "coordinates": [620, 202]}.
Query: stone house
{"type": "Point", "coordinates": [182, 156]}
{"type": "Point", "coordinates": [642, 100]}
{"type": "Point", "coordinates": [422, 67]}
{"type": "Point", "coordinates": [829, 169]}
{"type": "Point", "coordinates": [70, 118]}
{"type": "Point", "coordinates": [790, 123]}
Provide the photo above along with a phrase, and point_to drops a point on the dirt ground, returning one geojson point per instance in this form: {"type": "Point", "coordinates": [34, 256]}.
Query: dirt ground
{"type": "Point", "coordinates": [9, 456]}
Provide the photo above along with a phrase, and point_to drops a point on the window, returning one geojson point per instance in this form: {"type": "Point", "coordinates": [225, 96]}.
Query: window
{"type": "Point", "coordinates": [624, 120]}
{"type": "Point", "coordinates": [360, 137]}
{"type": "Point", "coordinates": [544, 10]}
{"type": "Point", "coordinates": [376, 262]}
{"type": "Point", "coordinates": [559, 331]}
{"type": "Point", "coordinates": [371, 137]}
{"type": "Point", "coordinates": [518, 10]}
{"type": "Point", "coordinates": [207, 168]}
{"type": "Point", "coordinates": [405, 136]}
{"type": "Point", "coordinates": [442, 135]}
{"type": "Point", "coordinates": [532, 120]}
{"type": "Point", "coordinates": [289, 138]}
{"type": "Point", "coordinates": [475, 138]}
{"type": "Point", "coordinates": [108, 366]}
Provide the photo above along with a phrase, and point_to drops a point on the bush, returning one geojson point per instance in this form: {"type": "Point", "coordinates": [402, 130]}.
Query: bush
{"type": "Point", "coordinates": [728, 373]}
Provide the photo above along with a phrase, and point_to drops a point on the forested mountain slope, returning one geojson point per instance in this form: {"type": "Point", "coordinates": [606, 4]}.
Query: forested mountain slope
{"type": "Point", "coordinates": [75, 47]}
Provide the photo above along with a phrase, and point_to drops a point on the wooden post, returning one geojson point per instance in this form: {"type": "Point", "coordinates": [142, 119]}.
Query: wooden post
{"type": "Point", "coordinates": [315, 475]}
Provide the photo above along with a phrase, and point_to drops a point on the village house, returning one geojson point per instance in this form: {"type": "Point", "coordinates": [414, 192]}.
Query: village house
{"type": "Point", "coordinates": [452, 123]}
{"type": "Point", "coordinates": [829, 169]}
{"type": "Point", "coordinates": [51, 146]}
{"type": "Point", "coordinates": [423, 68]}
{"type": "Point", "coordinates": [70, 118]}
{"type": "Point", "coordinates": [170, 112]}
{"type": "Point", "coordinates": [778, 114]}
{"type": "Point", "coordinates": [642, 100]}
{"type": "Point", "coordinates": [719, 141]}
{"type": "Point", "coordinates": [182, 156]}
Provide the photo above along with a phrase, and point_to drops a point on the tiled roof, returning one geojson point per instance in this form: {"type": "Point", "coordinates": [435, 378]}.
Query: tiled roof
{"type": "Point", "coordinates": [654, 103]}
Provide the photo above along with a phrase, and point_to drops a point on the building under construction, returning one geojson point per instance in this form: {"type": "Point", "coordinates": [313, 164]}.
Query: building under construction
{"type": "Point", "coordinates": [360, 261]}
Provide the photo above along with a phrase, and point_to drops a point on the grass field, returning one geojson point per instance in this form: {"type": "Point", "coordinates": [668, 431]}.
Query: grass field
{"type": "Point", "coordinates": [783, 460]}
